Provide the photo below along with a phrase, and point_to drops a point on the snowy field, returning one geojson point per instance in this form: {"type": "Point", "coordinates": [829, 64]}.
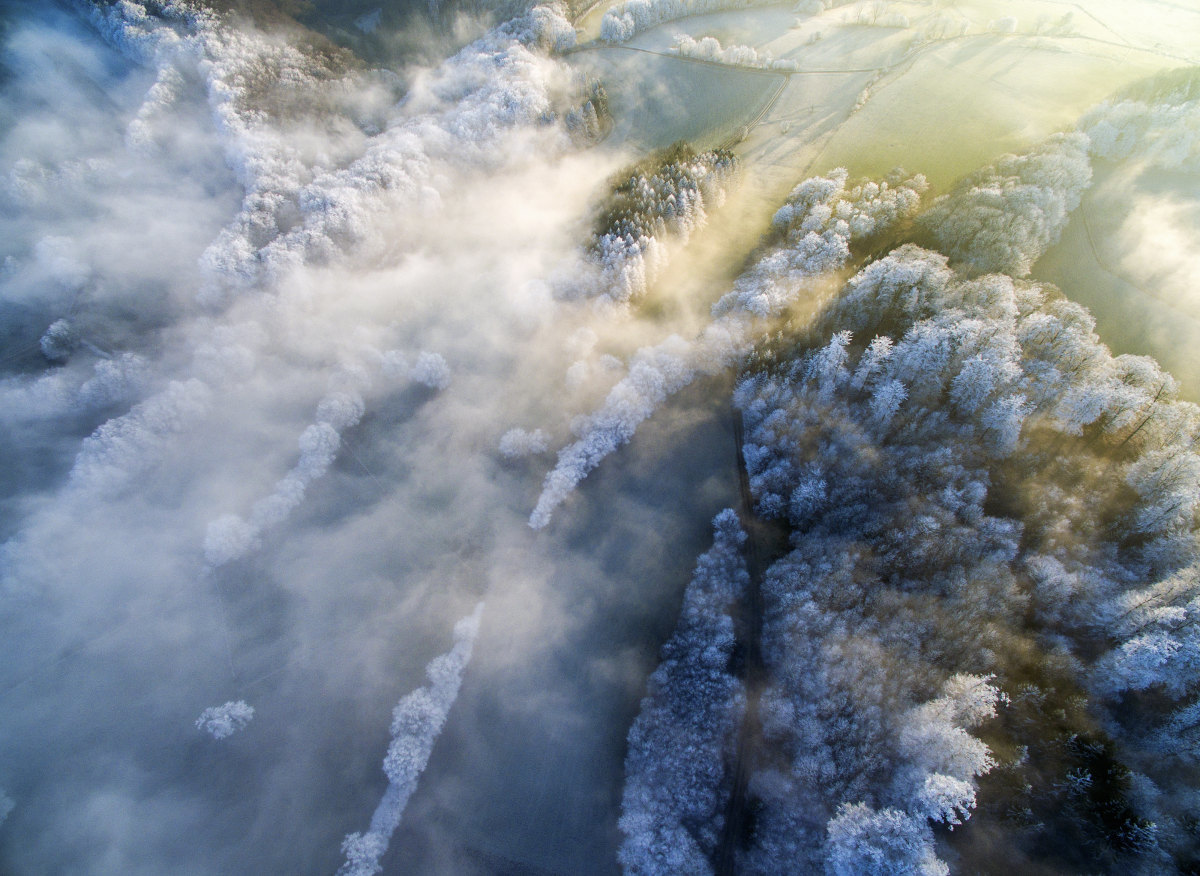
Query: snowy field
{"type": "Point", "coordinates": [944, 94]}
{"type": "Point", "coordinates": [1129, 256]}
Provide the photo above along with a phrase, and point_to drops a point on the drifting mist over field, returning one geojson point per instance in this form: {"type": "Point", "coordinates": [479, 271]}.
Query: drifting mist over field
{"type": "Point", "coordinates": [670, 436]}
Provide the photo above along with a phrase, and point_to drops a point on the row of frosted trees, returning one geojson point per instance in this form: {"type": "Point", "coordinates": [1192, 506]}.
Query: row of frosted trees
{"type": "Point", "coordinates": [989, 599]}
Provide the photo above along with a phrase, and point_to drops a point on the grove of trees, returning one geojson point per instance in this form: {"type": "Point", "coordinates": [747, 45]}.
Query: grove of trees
{"type": "Point", "coordinates": [986, 616]}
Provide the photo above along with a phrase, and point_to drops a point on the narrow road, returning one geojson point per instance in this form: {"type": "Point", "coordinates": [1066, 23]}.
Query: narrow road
{"type": "Point", "coordinates": [765, 542]}
{"type": "Point", "coordinates": [1099, 259]}
{"type": "Point", "coordinates": [729, 144]}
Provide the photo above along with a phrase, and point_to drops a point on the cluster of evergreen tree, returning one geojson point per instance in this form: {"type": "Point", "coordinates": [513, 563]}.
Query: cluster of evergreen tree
{"type": "Point", "coordinates": [592, 121]}
{"type": "Point", "coordinates": [665, 197]}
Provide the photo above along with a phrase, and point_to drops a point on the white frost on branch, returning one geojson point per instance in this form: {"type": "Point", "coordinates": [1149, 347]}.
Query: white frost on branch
{"type": "Point", "coordinates": [650, 212]}
{"type": "Point", "coordinates": [820, 219]}
{"type": "Point", "coordinates": [416, 722]}
{"type": "Point", "coordinates": [935, 783]}
{"type": "Point", "coordinates": [551, 27]}
{"type": "Point", "coordinates": [942, 758]}
{"type": "Point", "coordinates": [864, 842]}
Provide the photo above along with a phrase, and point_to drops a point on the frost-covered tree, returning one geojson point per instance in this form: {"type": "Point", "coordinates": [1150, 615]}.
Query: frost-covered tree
{"type": "Point", "coordinates": [660, 204]}
{"type": "Point", "coordinates": [818, 222]}
{"type": "Point", "coordinates": [1157, 121]}
{"type": "Point", "coordinates": [59, 341]}
{"type": "Point", "coordinates": [231, 536]}
{"type": "Point", "coordinates": [863, 842]}
{"type": "Point", "coordinates": [710, 49]}
{"type": "Point", "coordinates": [516, 443]}
{"type": "Point", "coordinates": [676, 780]}
{"type": "Point", "coordinates": [430, 370]}
{"type": "Point", "coordinates": [552, 26]}
{"type": "Point", "coordinates": [1003, 217]}
{"type": "Point", "coordinates": [625, 20]}
{"type": "Point", "coordinates": [417, 721]}
{"type": "Point", "coordinates": [223, 721]}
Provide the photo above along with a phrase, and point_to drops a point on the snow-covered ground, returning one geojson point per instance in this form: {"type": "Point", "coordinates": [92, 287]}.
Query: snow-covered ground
{"type": "Point", "coordinates": [958, 86]}
{"type": "Point", "coordinates": [1130, 255]}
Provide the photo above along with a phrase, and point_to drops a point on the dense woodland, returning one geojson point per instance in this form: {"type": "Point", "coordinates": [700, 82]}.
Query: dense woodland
{"type": "Point", "coordinates": [986, 615]}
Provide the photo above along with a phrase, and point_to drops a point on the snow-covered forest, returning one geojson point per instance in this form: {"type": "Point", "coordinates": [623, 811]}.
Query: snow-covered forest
{"type": "Point", "coordinates": [418, 458]}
